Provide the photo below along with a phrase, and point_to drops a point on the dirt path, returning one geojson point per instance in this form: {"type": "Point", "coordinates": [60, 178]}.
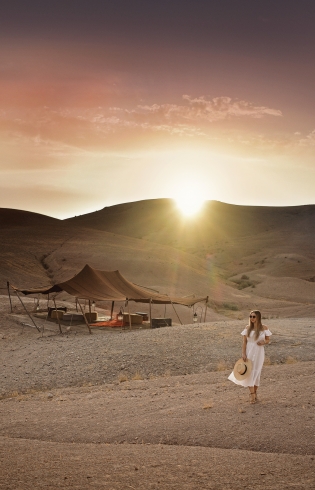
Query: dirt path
{"type": "Point", "coordinates": [194, 410]}
{"type": "Point", "coordinates": [37, 464]}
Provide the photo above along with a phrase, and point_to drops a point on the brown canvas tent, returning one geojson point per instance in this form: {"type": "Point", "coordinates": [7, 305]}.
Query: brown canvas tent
{"type": "Point", "coordinates": [93, 284]}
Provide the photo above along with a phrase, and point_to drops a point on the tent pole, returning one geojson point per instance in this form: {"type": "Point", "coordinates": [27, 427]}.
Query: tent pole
{"type": "Point", "coordinates": [8, 286]}
{"type": "Point", "coordinates": [129, 314]}
{"type": "Point", "coordinates": [112, 310]}
{"type": "Point", "coordinates": [90, 310]}
{"type": "Point", "coordinates": [176, 313]}
{"type": "Point", "coordinates": [26, 309]}
{"type": "Point", "coordinates": [206, 309]}
{"type": "Point", "coordinates": [60, 329]}
{"type": "Point", "coordinates": [88, 326]}
{"type": "Point", "coordinates": [150, 313]}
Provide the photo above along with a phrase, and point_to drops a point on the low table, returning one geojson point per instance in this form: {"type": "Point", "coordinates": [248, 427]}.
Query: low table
{"type": "Point", "coordinates": [135, 319]}
{"type": "Point", "coordinates": [161, 322]}
{"type": "Point", "coordinates": [145, 316]}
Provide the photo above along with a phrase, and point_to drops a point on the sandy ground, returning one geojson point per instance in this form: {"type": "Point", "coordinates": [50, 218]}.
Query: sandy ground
{"type": "Point", "coordinates": [154, 408]}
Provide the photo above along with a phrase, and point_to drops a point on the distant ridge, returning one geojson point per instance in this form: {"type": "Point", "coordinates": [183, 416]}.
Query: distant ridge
{"type": "Point", "coordinates": [159, 220]}
{"type": "Point", "coordinates": [17, 217]}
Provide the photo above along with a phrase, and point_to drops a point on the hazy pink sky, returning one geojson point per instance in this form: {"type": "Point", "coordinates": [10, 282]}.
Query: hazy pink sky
{"type": "Point", "coordinates": [104, 102]}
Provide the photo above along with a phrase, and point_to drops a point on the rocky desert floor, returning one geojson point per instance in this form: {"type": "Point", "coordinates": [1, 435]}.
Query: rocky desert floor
{"type": "Point", "coordinates": [153, 409]}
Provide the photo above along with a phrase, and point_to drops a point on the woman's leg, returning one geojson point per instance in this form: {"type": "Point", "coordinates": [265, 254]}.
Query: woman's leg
{"type": "Point", "coordinates": [255, 389]}
{"type": "Point", "coordinates": [252, 394]}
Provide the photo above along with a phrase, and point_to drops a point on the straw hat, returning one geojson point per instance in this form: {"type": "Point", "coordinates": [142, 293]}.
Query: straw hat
{"type": "Point", "coordinates": [242, 369]}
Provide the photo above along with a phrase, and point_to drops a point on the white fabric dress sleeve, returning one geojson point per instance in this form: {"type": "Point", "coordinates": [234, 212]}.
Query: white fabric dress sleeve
{"type": "Point", "coordinates": [267, 332]}
{"type": "Point", "coordinates": [244, 332]}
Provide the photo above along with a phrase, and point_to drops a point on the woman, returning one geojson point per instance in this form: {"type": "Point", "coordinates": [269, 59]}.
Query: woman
{"type": "Point", "coordinates": [255, 336]}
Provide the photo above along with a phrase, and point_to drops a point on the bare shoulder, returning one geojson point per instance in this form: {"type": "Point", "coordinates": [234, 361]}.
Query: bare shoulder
{"type": "Point", "coordinates": [265, 327]}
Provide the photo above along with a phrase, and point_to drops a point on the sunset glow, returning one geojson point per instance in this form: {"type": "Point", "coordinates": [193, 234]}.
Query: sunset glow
{"type": "Point", "coordinates": [123, 101]}
{"type": "Point", "coordinates": [189, 203]}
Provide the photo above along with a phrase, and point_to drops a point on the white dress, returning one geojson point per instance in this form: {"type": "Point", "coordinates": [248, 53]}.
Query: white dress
{"type": "Point", "coordinates": [256, 353]}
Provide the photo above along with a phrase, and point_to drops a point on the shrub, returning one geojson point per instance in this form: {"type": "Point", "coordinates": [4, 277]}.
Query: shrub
{"type": "Point", "coordinates": [290, 360]}
{"type": "Point", "coordinates": [222, 366]}
{"type": "Point", "coordinates": [230, 306]}
{"type": "Point", "coordinates": [244, 283]}
{"type": "Point", "coordinates": [208, 405]}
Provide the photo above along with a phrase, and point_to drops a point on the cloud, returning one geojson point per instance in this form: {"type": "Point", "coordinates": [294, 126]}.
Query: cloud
{"type": "Point", "coordinates": [202, 110]}
{"type": "Point", "coordinates": [309, 139]}
{"type": "Point", "coordinates": [48, 135]}
{"type": "Point", "coordinates": [189, 119]}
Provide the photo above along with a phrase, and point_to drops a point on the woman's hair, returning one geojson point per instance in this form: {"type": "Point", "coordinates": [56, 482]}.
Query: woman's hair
{"type": "Point", "coordinates": [251, 325]}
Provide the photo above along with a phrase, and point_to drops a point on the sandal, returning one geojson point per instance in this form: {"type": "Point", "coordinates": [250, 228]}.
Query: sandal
{"type": "Point", "coordinates": [252, 398]}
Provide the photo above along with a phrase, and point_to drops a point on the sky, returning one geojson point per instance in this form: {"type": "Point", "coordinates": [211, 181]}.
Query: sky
{"type": "Point", "coordinates": [103, 102]}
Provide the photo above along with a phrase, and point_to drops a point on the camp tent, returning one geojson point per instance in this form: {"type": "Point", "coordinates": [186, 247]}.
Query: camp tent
{"type": "Point", "coordinates": [93, 284]}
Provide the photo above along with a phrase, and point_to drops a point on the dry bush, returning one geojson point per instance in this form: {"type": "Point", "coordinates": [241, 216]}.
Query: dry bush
{"type": "Point", "coordinates": [137, 376]}
{"type": "Point", "coordinates": [23, 394]}
{"type": "Point", "coordinates": [14, 394]}
{"type": "Point", "coordinates": [222, 366]}
{"type": "Point", "coordinates": [86, 384]}
{"type": "Point", "coordinates": [207, 405]}
{"type": "Point", "coordinates": [122, 378]}
{"type": "Point", "coordinates": [290, 360]}
{"type": "Point", "coordinates": [244, 283]}
{"type": "Point", "coordinates": [230, 306]}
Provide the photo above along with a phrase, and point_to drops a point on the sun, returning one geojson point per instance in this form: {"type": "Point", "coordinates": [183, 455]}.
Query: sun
{"type": "Point", "coordinates": [189, 201]}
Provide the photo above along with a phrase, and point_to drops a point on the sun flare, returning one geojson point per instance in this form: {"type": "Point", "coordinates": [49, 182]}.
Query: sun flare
{"type": "Point", "coordinates": [189, 202]}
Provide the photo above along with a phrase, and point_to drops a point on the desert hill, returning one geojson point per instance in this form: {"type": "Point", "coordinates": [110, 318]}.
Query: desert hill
{"type": "Point", "coordinates": [264, 251]}
{"type": "Point", "coordinates": [159, 220]}
{"type": "Point", "coordinates": [241, 256]}
{"type": "Point", "coordinates": [10, 218]}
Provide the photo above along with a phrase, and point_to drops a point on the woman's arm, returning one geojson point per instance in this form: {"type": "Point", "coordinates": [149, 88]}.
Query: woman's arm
{"type": "Point", "coordinates": [267, 338]}
{"type": "Point", "coordinates": [244, 347]}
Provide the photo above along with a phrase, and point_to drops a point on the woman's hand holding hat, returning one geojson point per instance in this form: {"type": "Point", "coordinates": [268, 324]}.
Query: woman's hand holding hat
{"type": "Point", "coordinates": [242, 369]}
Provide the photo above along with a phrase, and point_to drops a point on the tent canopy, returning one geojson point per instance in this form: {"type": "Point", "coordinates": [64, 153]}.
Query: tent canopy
{"type": "Point", "coordinates": [98, 285]}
